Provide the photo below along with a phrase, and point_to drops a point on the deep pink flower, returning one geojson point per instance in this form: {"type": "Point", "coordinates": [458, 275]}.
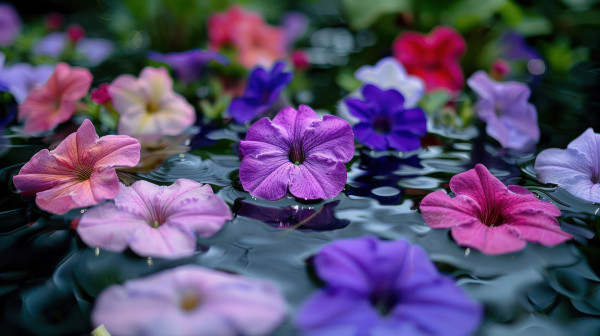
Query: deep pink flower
{"type": "Point", "coordinates": [299, 151]}
{"type": "Point", "coordinates": [155, 221]}
{"type": "Point", "coordinates": [101, 95]}
{"type": "Point", "coordinates": [149, 106]}
{"type": "Point", "coordinates": [300, 59]}
{"type": "Point", "coordinates": [75, 33]}
{"type": "Point", "coordinates": [433, 57]}
{"type": "Point", "coordinates": [493, 218]}
{"type": "Point", "coordinates": [191, 300]}
{"type": "Point", "coordinates": [79, 171]}
{"type": "Point", "coordinates": [255, 41]}
{"type": "Point", "coordinates": [54, 102]}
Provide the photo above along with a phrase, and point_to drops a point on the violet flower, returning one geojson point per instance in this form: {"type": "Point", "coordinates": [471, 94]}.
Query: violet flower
{"type": "Point", "coordinates": [191, 300]}
{"type": "Point", "coordinates": [79, 171]}
{"type": "Point", "coordinates": [576, 169]}
{"type": "Point", "coordinates": [385, 122]}
{"type": "Point", "coordinates": [21, 78]}
{"type": "Point", "coordinates": [293, 217]}
{"type": "Point", "coordinates": [189, 65]}
{"type": "Point", "coordinates": [299, 151]}
{"type": "Point", "coordinates": [384, 288]}
{"type": "Point", "coordinates": [155, 221]}
{"type": "Point", "coordinates": [262, 91]}
{"type": "Point", "coordinates": [10, 24]}
{"type": "Point", "coordinates": [488, 216]}
{"type": "Point", "coordinates": [503, 106]}
{"type": "Point", "coordinates": [94, 50]}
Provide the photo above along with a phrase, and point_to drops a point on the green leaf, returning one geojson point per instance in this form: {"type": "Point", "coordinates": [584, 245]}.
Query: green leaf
{"type": "Point", "coordinates": [362, 14]}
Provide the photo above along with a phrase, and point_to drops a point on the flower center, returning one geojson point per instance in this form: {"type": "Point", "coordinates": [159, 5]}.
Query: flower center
{"type": "Point", "coordinates": [296, 154]}
{"type": "Point", "coordinates": [383, 301]}
{"type": "Point", "coordinates": [152, 107]}
{"type": "Point", "coordinates": [492, 216]}
{"type": "Point", "coordinates": [498, 109]}
{"type": "Point", "coordinates": [189, 301]}
{"type": "Point", "coordinates": [382, 124]}
{"type": "Point", "coordinates": [83, 173]}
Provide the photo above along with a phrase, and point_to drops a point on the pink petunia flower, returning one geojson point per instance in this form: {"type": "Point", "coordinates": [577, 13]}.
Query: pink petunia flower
{"type": "Point", "coordinates": [255, 41]}
{"type": "Point", "coordinates": [191, 300]}
{"type": "Point", "coordinates": [149, 106]}
{"type": "Point", "coordinates": [79, 171]}
{"type": "Point", "coordinates": [100, 95]}
{"type": "Point", "coordinates": [54, 102]}
{"type": "Point", "coordinates": [493, 218]}
{"type": "Point", "coordinates": [433, 57]}
{"type": "Point", "coordinates": [155, 221]}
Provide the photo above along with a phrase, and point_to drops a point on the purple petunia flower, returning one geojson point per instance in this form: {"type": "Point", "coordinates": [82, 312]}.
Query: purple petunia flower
{"type": "Point", "coordinates": [262, 91]}
{"type": "Point", "coordinates": [20, 78]}
{"type": "Point", "coordinates": [189, 65]}
{"type": "Point", "coordinates": [299, 151]}
{"type": "Point", "coordinates": [155, 221]}
{"type": "Point", "coordinates": [514, 46]}
{"type": "Point", "coordinates": [191, 300]}
{"type": "Point", "coordinates": [10, 24]}
{"type": "Point", "coordinates": [491, 217]}
{"type": "Point", "coordinates": [384, 288]}
{"type": "Point", "coordinates": [576, 169]}
{"type": "Point", "coordinates": [385, 122]}
{"type": "Point", "coordinates": [95, 50]}
{"type": "Point", "coordinates": [503, 106]}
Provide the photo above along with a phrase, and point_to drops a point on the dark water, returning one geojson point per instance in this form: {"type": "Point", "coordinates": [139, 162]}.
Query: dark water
{"type": "Point", "coordinates": [49, 278]}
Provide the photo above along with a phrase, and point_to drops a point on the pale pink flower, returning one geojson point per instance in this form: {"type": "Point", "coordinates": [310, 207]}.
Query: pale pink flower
{"type": "Point", "coordinates": [79, 171]}
{"type": "Point", "coordinates": [54, 102]}
{"type": "Point", "coordinates": [493, 218]}
{"type": "Point", "coordinates": [191, 300]}
{"type": "Point", "coordinates": [155, 221]}
{"type": "Point", "coordinates": [149, 106]}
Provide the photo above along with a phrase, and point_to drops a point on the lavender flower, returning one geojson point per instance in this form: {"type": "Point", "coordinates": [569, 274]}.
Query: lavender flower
{"type": "Point", "coordinates": [384, 122]}
{"type": "Point", "coordinates": [20, 78]}
{"type": "Point", "coordinates": [384, 288]}
{"type": "Point", "coordinates": [191, 300]}
{"type": "Point", "coordinates": [262, 91]}
{"type": "Point", "coordinates": [10, 24]}
{"type": "Point", "coordinates": [299, 151]}
{"type": "Point", "coordinates": [576, 169]}
{"type": "Point", "coordinates": [189, 65]}
{"type": "Point", "coordinates": [94, 50]}
{"type": "Point", "coordinates": [503, 106]}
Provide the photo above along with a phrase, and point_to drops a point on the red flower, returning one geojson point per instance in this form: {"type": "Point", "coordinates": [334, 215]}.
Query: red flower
{"type": "Point", "coordinates": [433, 57]}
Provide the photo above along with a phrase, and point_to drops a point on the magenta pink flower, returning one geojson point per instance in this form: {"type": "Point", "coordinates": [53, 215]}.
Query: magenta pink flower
{"type": "Point", "coordinates": [493, 218]}
{"type": "Point", "coordinates": [79, 171]}
{"type": "Point", "coordinates": [101, 95]}
{"type": "Point", "coordinates": [191, 300]}
{"type": "Point", "coordinates": [148, 105]}
{"type": "Point", "coordinates": [54, 102]}
{"type": "Point", "coordinates": [155, 221]}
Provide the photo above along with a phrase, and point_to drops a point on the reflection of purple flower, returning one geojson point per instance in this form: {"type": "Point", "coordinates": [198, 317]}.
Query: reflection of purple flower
{"type": "Point", "coordinates": [10, 24]}
{"type": "Point", "coordinates": [262, 91]}
{"type": "Point", "coordinates": [191, 300]}
{"type": "Point", "coordinates": [95, 50]}
{"type": "Point", "coordinates": [503, 106]}
{"type": "Point", "coordinates": [20, 78]}
{"type": "Point", "coordinates": [384, 122]}
{"type": "Point", "coordinates": [299, 151]}
{"type": "Point", "coordinates": [304, 219]}
{"type": "Point", "coordinates": [384, 288]}
{"type": "Point", "coordinates": [514, 46]}
{"type": "Point", "coordinates": [576, 169]}
{"type": "Point", "coordinates": [188, 65]}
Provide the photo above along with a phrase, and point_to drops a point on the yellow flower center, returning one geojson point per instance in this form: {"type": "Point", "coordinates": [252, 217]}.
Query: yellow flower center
{"type": "Point", "coordinates": [152, 107]}
{"type": "Point", "coordinates": [189, 301]}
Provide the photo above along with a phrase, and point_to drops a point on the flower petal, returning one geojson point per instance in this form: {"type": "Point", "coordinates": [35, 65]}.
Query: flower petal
{"type": "Point", "coordinates": [109, 227]}
{"type": "Point", "coordinates": [266, 175]}
{"type": "Point", "coordinates": [317, 178]}
{"type": "Point", "coordinates": [441, 211]}
{"type": "Point", "coordinates": [331, 138]}
{"type": "Point", "coordinates": [491, 240]}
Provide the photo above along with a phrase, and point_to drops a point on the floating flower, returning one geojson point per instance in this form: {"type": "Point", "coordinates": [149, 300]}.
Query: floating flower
{"type": "Point", "coordinates": [385, 122]}
{"type": "Point", "coordinates": [149, 106]}
{"type": "Point", "coordinates": [262, 91]}
{"type": "Point", "coordinates": [189, 65]}
{"type": "Point", "coordinates": [293, 217]}
{"type": "Point", "coordinates": [375, 287]}
{"type": "Point", "coordinates": [191, 300]}
{"type": "Point", "coordinates": [155, 221]}
{"type": "Point", "coordinates": [10, 24]}
{"type": "Point", "coordinates": [256, 42]}
{"type": "Point", "coordinates": [490, 217]}
{"type": "Point", "coordinates": [93, 50]}
{"type": "Point", "coordinates": [576, 169]}
{"type": "Point", "coordinates": [54, 102]}
{"type": "Point", "coordinates": [79, 171]}
{"type": "Point", "coordinates": [388, 74]}
{"type": "Point", "coordinates": [299, 151]}
{"type": "Point", "coordinates": [21, 78]}
{"type": "Point", "coordinates": [503, 106]}
{"type": "Point", "coordinates": [433, 57]}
